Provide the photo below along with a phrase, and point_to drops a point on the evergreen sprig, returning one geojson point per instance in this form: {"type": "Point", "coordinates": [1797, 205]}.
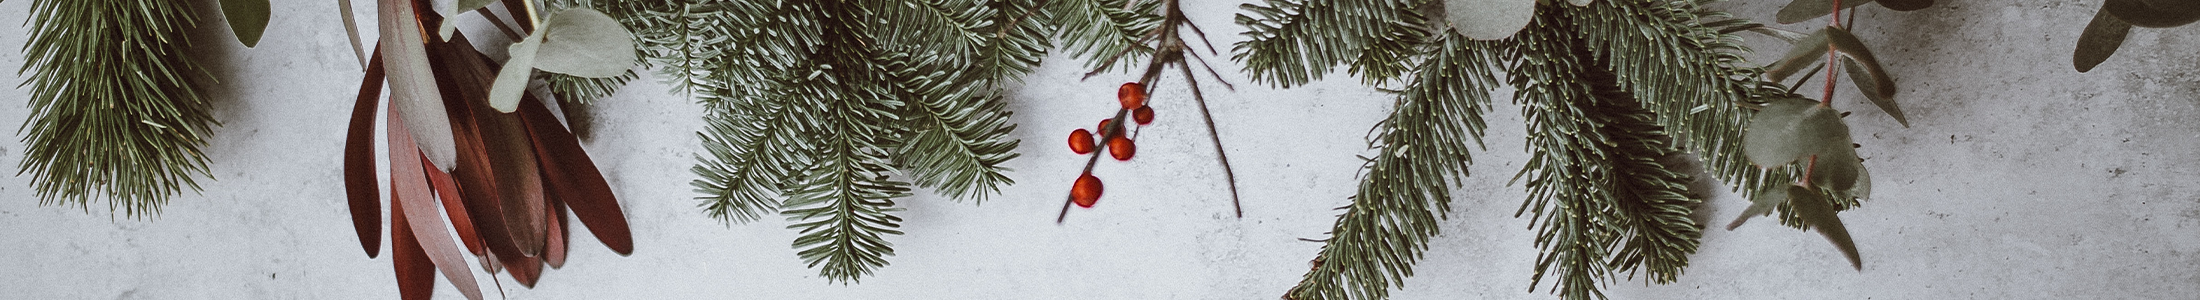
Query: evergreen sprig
{"type": "Point", "coordinates": [114, 111]}
{"type": "Point", "coordinates": [1403, 189]}
{"type": "Point", "coordinates": [1609, 90]}
{"type": "Point", "coordinates": [818, 107]}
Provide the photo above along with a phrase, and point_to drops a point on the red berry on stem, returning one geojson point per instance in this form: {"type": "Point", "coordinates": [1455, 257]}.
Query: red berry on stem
{"type": "Point", "coordinates": [1121, 148]}
{"type": "Point", "coordinates": [1132, 95]}
{"type": "Point", "coordinates": [1144, 115]}
{"type": "Point", "coordinates": [1104, 124]}
{"type": "Point", "coordinates": [1080, 141]}
{"type": "Point", "coordinates": [1086, 191]}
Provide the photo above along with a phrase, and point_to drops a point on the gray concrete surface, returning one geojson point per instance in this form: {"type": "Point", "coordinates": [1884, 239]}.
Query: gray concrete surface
{"type": "Point", "coordinates": [2019, 179]}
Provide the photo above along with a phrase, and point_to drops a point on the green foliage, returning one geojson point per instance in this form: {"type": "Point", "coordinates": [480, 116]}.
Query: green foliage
{"type": "Point", "coordinates": [1609, 89]}
{"type": "Point", "coordinates": [816, 107]}
{"type": "Point", "coordinates": [1293, 42]}
{"type": "Point", "coordinates": [114, 111]}
{"type": "Point", "coordinates": [1424, 142]}
{"type": "Point", "coordinates": [247, 18]}
{"type": "Point", "coordinates": [2109, 26]}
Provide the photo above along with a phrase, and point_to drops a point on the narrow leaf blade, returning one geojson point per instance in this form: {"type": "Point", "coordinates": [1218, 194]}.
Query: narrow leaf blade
{"type": "Point", "coordinates": [461, 221]}
{"type": "Point", "coordinates": [1876, 87]}
{"type": "Point", "coordinates": [569, 172]}
{"type": "Point", "coordinates": [360, 188]}
{"type": "Point", "coordinates": [2154, 13]}
{"type": "Point", "coordinates": [1804, 10]}
{"type": "Point", "coordinates": [415, 273]}
{"type": "Point", "coordinates": [2100, 40]}
{"type": "Point", "coordinates": [406, 183]}
{"type": "Point", "coordinates": [1852, 48]}
{"type": "Point", "coordinates": [1806, 52]}
{"type": "Point", "coordinates": [412, 82]}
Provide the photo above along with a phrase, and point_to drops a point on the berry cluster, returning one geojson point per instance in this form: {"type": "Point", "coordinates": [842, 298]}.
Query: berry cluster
{"type": "Point", "coordinates": [1086, 191]}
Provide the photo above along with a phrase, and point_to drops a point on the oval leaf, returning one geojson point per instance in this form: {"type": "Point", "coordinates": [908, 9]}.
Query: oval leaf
{"type": "Point", "coordinates": [1489, 19]}
{"type": "Point", "coordinates": [248, 18]}
{"type": "Point", "coordinates": [586, 43]}
{"type": "Point", "coordinates": [512, 78]}
{"type": "Point", "coordinates": [1819, 213]}
{"type": "Point", "coordinates": [1759, 206]}
{"type": "Point", "coordinates": [1807, 52]}
{"type": "Point", "coordinates": [2100, 40]}
{"type": "Point", "coordinates": [1790, 129]}
{"type": "Point", "coordinates": [1906, 5]}
{"type": "Point", "coordinates": [1804, 10]}
{"type": "Point", "coordinates": [2154, 13]}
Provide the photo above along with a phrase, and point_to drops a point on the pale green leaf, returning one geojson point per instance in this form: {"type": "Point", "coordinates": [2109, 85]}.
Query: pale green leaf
{"type": "Point", "coordinates": [511, 81]}
{"type": "Point", "coordinates": [248, 18]}
{"type": "Point", "coordinates": [1852, 48]}
{"type": "Point", "coordinates": [1819, 213]}
{"type": "Point", "coordinates": [586, 43]}
{"type": "Point", "coordinates": [1906, 5]}
{"type": "Point", "coordinates": [1872, 81]}
{"type": "Point", "coordinates": [1489, 19]}
{"type": "Point", "coordinates": [1804, 10]}
{"type": "Point", "coordinates": [1789, 129]}
{"type": "Point", "coordinates": [1806, 52]}
{"type": "Point", "coordinates": [2100, 40]}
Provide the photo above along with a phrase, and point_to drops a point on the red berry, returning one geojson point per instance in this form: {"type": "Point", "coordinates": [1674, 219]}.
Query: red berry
{"type": "Point", "coordinates": [1144, 115]}
{"type": "Point", "coordinates": [1132, 95]}
{"type": "Point", "coordinates": [1086, 191]}
{"type": "Point", "coordinates": [1104, 124]}
{"type": "Point", "coordinates": [1121, 148]}
{"type": "Point", "coordinates": [1080, 141]}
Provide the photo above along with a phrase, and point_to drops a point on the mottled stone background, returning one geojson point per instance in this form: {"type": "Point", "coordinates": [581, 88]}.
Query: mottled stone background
{"type": "Point", "coordinates": [2019, 178]}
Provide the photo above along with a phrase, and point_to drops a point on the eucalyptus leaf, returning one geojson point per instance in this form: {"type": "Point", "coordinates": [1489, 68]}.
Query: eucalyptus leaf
{"type": "Point", "coordinates": [1759, 206]}
{"type": "Point", "coordinates": [1874, 81]}
{"type": "Point", "coordinates": [1790, 129]}
{"type": "Point", "coordinates": [2154, 13]}
{"type": "Point", "coordinates": [450, 19]}
{"type": "Point", "coordinates": [1806, 52]}
{"type": "Point", "coordinates": [2100, 40]}
{"type": "Point", "coordinates": [248, 18]}
{"type": "Point", "coordinates": [512, 78]}
{"type": "Point", "coordinates": [1489, 19]}
{"type": "Point", "coordinates": [1819, 213]}
{"type": "Point", "coordinates": [586, 43]}
{"type": "Point", "coordinates": [1906, 5]}
{"type": "Point", "coordinates": [1804, 10]}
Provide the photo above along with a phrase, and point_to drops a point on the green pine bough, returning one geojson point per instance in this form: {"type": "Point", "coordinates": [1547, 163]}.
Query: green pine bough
{"type": "Point", "coordinates": [827, 112]}
{"type": "Point", "coordinates": [114, 111]}
{"type": "Point", "coordinates": [1609, 89]}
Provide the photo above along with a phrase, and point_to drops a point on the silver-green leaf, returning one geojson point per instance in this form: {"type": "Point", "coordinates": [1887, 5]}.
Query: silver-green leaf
{"type": "Point", "coordinates": [511, 80]}
{"type": "Point", "coordinates": [586, 43]}
{"type": "Point", "coordinates": [1806, 52]}
{"type": "Point", "coordinates": [247, 18]}
{"type": "Point", "coordinates": [2100, 40]}
{"type": "Point", "coordinates": [1818, 212]}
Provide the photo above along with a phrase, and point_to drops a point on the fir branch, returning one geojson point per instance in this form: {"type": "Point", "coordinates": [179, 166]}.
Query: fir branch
{"type": "Point", "coordinates": [1664, 50]}
{"type": "Point", "coordinates": [114, 112]}
{"type": "Point", "coordinates": [1403, 190]}
{"type": "Point", "coordinates": [1101, 31]}
{"type": "Point", "coordinates": [583, 90]}
{"type": "Point", "coordinates": [1297, 41]}
{"type": "Point", "coordinates": [958, 120]}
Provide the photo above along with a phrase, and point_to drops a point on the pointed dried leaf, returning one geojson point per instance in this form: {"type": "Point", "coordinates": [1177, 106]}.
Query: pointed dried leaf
{"type": "Point", "coordinates": [553, 253]}
{"type": "Point", "coordinates": [1804, 10]}
{"type": "Point", "coordinates": [247, 18]}
{"type": "Point", "coordinates": [469, 72]}
{"type": "Point", "coordinates": [461, 220]}
{"type": "Point", "coordinates": [2100, 40]}
{"type": "Point", "coordinates": [2154, 13]}
{"type": "Point", "coordinates": [569, 172]}
{"type": "Point", "coordinates": [586, 43]}
{"type": "Point", "coordinates": [360, 188]}
{"type": "Point", "coordinates": [518, 179]}
{"type": "Point", "coordinates": [524, 269]}
{"type": "Point", "coordinates": [415, 274]}
{"type": "Point", "coordinates": [412, 82]}
{"type": "Point", "coordinates": [1819, 213]}
{"type": "Point", "coordinates": [1489, 19]}
{"type": "Point", "coordinates": [1807, 52]}
{"type": "Point", "coordinates": [407, 183]}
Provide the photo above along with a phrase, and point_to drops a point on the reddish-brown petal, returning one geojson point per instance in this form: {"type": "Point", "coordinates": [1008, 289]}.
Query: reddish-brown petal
{"type": "Point", "coordinates": [448, 191]}
{"type": "Point", "coordinates": [524, 269]}
{"type": "Point", "coordinates": [364, 196]}
{"type": "Point", "coordinates": [470, 77]}
{"type": "Point", "coordinates": [553, 251]}
{"type": "Point", "coordinates": [407, 182]}
{"type": "Point", "coordinates": [568, 170]}
{"type": "Point", "coordinates": [415, 274]}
